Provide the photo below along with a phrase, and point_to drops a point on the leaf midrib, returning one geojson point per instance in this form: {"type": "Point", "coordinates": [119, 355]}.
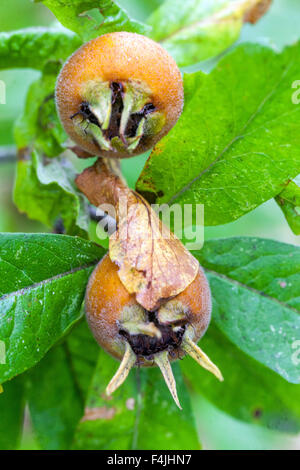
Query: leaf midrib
{"type": "Point", "coordinates": [259, 376]}
{"type": "Point", "coordinates": [233, 140]}
{"type": "Point", "coordinates": [219, 16]}
{"type": "Point", "coordinates": [251, 289]}
{"type": "Point", "coordinates": [23, 290]}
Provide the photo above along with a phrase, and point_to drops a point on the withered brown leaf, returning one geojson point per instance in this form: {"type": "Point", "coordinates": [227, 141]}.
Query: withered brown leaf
{"type": "Point", "coordinates": [257, 9]}
{"type": "Point", "coordinates": [153, 262]}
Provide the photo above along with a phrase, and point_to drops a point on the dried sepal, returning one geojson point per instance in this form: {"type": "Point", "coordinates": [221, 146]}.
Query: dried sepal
{"type": "Point", "coordinates": [98, 116]}
{"type": "Point", "coordinates": [134, 321]}
{"type": "Point", "coordinates": [193, 350]}
{"type": "Point", "coordinates": [162, 360]}
{"type": "Point", "coordinates": [126, 365]}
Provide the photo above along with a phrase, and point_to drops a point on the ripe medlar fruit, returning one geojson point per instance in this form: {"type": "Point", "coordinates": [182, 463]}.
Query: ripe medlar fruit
{"type": "Point", "coordinates": [119, 94]}
{"type": "Point", "coordinates": [138, 337]}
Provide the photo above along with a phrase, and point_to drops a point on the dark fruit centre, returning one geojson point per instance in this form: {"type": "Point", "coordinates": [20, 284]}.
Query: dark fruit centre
{"type": "Point", "coordinates": [117, 104]}
{"type": "Point", "coordinates": [146, 346]}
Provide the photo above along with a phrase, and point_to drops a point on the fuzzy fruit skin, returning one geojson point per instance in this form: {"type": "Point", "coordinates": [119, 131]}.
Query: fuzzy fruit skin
{"type": "Point", "coordinates": [115, 57]}
{"type": "Point", "coordinates": [104, 301]}
{"type": "Point", "coordinates": [106, 297]}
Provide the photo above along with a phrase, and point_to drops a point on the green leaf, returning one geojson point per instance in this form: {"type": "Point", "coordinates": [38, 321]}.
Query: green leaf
{"type": "Point", "coordinates": [54, 399]}
{"type": "Point", "coordinates": [39, 126]}
{"type": "Point", "coordinates": [289, 202]}
{"type": "Point", "coordinates": [161, 424]}
{"type": "Point", "coordinates": [237, 141]}
{"type": "Point", "coordinates": [255, 288]}
{"type": "Point", "coordinates": [42, 284]}
{"type": "Point", "coordinates": [68, 370]}
{"type": "Point", "coordinates": [46, 192]}
{"type": "Point", "coordinates": [35, 47]}
{"type": "Point", "coordinates": [196, 30]}
{"type": "Point", "coordinates": [132, 420]}
{"type": "Point", "coordinates": [83, 355]}
{"type": "Point", "coordinates": [12, 404]}
{"type": "Point", "coordinates": [111, 422]}
{"type": "Point", "coordinates": [250, 392]}
{"type": "Point", "coordinates": [92, 18]}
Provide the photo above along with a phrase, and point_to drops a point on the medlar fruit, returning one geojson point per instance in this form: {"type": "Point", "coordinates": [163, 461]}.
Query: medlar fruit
{"type": "Point", "coordinates": [119, 94]}
{"type": "Point", "coordinates": [138, 337]}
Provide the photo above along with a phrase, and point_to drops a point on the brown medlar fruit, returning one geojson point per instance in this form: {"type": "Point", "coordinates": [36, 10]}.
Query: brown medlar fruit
{"type": "Point", "coordinates": [118, 94]}
{"type": "Point", "coordinates": [138, 337]}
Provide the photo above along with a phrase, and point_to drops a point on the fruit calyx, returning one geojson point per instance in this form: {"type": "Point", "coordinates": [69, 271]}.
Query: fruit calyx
{"type": "Point", "coordinates": [116, 115]}
{"type": "Point", "coordinates": [157, 337]}
{"type": "Point", "coordinates": [154, 337]}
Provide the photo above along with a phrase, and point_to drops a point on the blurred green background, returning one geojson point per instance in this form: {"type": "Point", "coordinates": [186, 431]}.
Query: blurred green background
{"type": "Point", "coordinates": [279, 27]}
